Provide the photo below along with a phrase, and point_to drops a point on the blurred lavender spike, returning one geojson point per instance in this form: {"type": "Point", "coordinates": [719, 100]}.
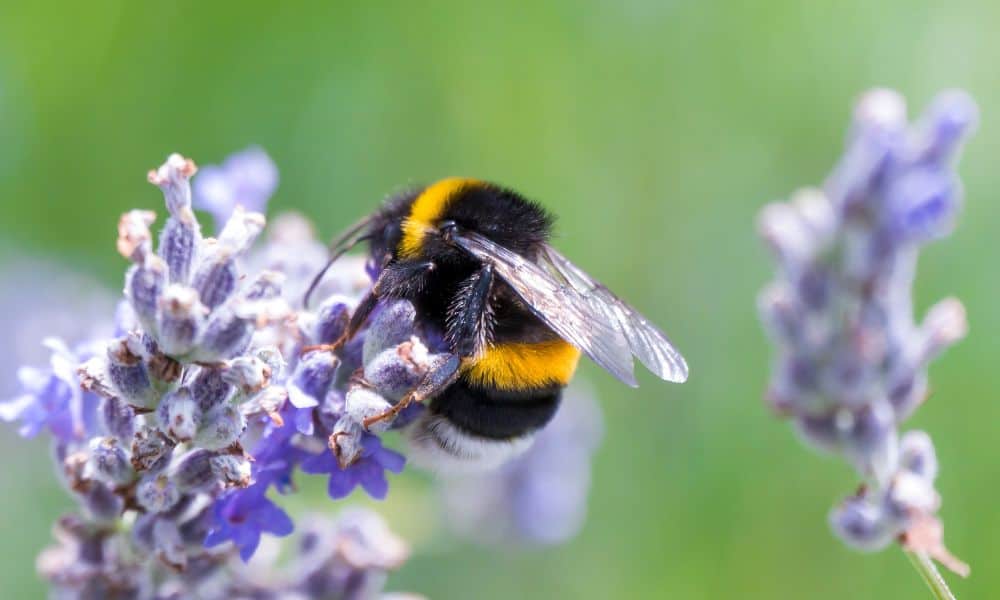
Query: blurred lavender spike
{"type": "Point", "coordinates": [248, 179]}
{"type": "Point", "coordinates": [851, 360]}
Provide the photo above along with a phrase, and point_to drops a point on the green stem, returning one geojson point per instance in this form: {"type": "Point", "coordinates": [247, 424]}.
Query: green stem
{"type": "Point", "coordinates": [929, 572]}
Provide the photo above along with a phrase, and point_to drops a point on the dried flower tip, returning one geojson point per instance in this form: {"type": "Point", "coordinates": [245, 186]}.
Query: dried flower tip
{"type": "Point", "coordinates": [232, 470]}
{"type": "Point", "coordinates": [172, 177]}
{"type": "Point", "coordinates": [248, 373]}
{"type": "Point", "coordinates": [94, 377]}
{"type": "Point", "coordinates": [134, 238]}
{"type": "Point", "coordinates": [151, 450]}
{"type": "Point", "coordinates": [926, 536]}
{"type": "Point", "coordinates": [345, 441]}
{"type": "Point", "coordinates": [241, 230]}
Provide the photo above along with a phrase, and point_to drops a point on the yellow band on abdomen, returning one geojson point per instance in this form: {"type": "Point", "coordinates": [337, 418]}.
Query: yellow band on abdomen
{"type": "Point", "coordinates": [428, 207]}
{"type": "Point", "coordinates": [519, 366]}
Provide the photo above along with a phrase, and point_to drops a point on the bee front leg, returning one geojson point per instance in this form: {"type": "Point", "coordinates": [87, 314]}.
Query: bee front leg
{"type": "Point", "coordinates": [357, 321]}
{"type": "Point", "coordinates": [468, 332]}
{"type": "Point", "coordinates": [433, 383]}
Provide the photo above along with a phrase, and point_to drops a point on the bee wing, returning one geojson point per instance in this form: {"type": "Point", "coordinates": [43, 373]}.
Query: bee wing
{"type": "Point", "coordinates": [645, 340]}
{"type": "Point", "coordinates": [575, 317]}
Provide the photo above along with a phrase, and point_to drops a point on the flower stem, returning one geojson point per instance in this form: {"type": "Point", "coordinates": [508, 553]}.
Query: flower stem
{"type": "Point", "coordinates": [929, 572]}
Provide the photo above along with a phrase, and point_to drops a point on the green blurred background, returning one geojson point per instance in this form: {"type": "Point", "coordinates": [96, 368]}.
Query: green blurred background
{"type": "Point", "coordinates": [655, 130]}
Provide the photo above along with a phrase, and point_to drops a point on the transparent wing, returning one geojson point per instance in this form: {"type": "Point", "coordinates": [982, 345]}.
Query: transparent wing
{"type": "Point", "coordinates": [645, 340]}
{"type": "Point", "coordinates": [560, 305]}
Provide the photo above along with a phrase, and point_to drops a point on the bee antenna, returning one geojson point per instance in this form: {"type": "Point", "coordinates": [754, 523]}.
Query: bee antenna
{"type": "Point", "coordinates": [342, 244]}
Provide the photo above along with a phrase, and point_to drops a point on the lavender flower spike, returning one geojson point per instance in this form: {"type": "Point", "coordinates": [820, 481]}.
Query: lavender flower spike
{"type": "Point", "coordinates": [851, 362]}
{"type": "Point", "coordinates": [177, 435]}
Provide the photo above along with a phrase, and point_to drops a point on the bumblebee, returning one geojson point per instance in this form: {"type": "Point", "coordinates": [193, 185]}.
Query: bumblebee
{"type": "Point", "coordinates": [475, 261]}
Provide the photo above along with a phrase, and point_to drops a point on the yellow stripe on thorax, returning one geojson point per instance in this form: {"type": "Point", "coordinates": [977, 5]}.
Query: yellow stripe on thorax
{"type": "Point", "coordinates": [426, 209]}
{"type": "Point", "coordinates": [519, 366]}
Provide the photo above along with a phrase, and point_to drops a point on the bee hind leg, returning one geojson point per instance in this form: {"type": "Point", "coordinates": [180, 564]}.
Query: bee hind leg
{"type": "Point", "coordinates": [433, 383]}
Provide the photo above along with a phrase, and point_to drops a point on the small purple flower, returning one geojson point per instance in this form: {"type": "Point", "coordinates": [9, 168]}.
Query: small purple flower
{"type": "Point", "coordinates": [246, 179]}
{"type": "Point", "coordinates": [52, 398]}
{"type": "Point", "coordinates": [368, 471]}
{"type": "Point", "coordinates": [242, 516]}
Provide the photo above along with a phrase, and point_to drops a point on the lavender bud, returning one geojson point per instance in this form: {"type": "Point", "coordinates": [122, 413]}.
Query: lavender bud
{"type": "Point", "coordinates": [266, 286]}
{"type": "Point", "coordinates": [952, 115]}
{"type": "Point", "coordinates": [128, 374]}
{"type": "Point", "coordinates": [780, 313]}
{"type": "Point", "coordinates": [248, 373]}
{"type": "Point", "coordinates": [168, 544]}
{"type": "Point", "coordinates": [363, 403]}
{"type": "Point", "coordinates": [219, 428]}
{"type": "Point", "coordinates": [870, 439]}
{"type": "Point", "coordinates": [101, 503]}
{"type": "Point", "coordinates": [390, 327]}
{"type": "Point", "coordinates": [226, 335]}
{"type": "Point", "coordinates": [172, 177]}
{"type": "Point", "coordinates": [820, 431]}
{"type": "Point", "coordinates": [157, 494]}
{"type": "Point", "coordinates": [179, 243]}
{"type": "Point", "coordinates": [786, 233]}
{"type": "Point", "coordinates": [916, 454]}
{"type": "Point", "coordinates": [911, 494]}
{"type": "Point", "coordinates": [134, 238]}
{"type": "Point", "coordinates": [142, 531]}
{"type": "Point", "coordinates": [332, 318]}
{"type": "Point", "coordinates": [178, 415]}
{"type": "Point", "coordinates": [880, 109]}
{"type": "Point", "coordinates": [241, 230]}
{"type": "Point", "coordinates": [151, 450]}
{"type": "Point", "coordinates": [210, 389]}
{"type": "Point", "coordinates": [231, 469]}
{"type": "Point", "coordinates": [119, 419]}
{"type": "Point", "coordinates": [923, 204]}
{"type": "Point", "coordinates": [907, 391]}
{"type": "Point", "coordinates": [216, 277]}
{"type": "Point", "coordinates": [944, 325]}
{"type": "Point", "coordinates": [109, 462]}
{"type": "Point", "coordinates": [395, 371]}
{"type": "Point", "coordinates": [144, 285]}
{"type": "Point", "coordinates": [182, 318]}
{"type": "Point", "coordinates": [194, 471]}
{"type": "Point", "coordinates": [861, 524]}
{"type": "Point", "coordinates": [312, 378]}
{"type": "Point", "coordinates": [346, 440]}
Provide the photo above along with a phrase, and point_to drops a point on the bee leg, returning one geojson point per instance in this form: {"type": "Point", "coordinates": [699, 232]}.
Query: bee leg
{"type": "Point", "coordinates": [357, 321]}
{"type": "Point", "coordinates": [433, 383]}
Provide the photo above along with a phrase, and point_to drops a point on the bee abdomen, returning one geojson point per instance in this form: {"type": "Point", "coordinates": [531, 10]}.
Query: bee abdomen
{"type": "Point", "coordinates": [496, 414]}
